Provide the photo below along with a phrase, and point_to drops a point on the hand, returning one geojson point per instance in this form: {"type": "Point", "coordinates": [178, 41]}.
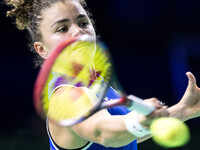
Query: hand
{"type": "Point", "coordinates": [160, 111]}
{"type": "Point", "coordinates": [190, 101]}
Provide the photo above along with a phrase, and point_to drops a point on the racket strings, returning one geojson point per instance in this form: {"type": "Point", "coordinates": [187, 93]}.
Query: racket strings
{"type": "Point", "coordinates": [103, 63]}
{"type": "Point", "coordinates": [76, 60]}
{"type": "Point", "coordinates": [68, 104]}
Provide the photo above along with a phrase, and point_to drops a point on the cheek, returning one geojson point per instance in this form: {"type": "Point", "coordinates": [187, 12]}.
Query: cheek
{"type": "Point", "coordinates": [51, 42]}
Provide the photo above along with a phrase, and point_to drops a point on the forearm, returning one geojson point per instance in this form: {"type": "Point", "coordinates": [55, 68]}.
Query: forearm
{"type": "Point", "coordinates": [104, 129]}
{"type": "Point", "coordinates": [178, 112]}
{"type": "Point", "coordinates": [113, 133]}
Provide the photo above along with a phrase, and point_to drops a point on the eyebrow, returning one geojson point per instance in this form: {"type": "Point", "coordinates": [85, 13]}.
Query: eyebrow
{"type": "Point", "coordinates": [67, 20]}
{"type": "Point", "coordinates": [81, 16]}
{"type": "Point", "coordinates": [59, 21]}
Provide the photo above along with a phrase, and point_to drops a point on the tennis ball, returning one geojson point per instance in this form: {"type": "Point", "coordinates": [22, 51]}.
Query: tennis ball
{"type": "Point", "coordinates": [170, 132]}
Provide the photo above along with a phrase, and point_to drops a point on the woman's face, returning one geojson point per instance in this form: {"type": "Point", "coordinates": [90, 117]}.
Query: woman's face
{"type": "Point", "coordinates": [62, 20]}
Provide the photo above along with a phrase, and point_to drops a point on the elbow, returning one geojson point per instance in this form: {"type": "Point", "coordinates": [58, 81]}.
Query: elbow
{"type": "Point", "coordinates": [108, 141]}
{"type": "Point", "coordinates": [113, 143]}
{"type": "Point", "coordinates": [102, 140]}
{"type": "Point", "coordinates": [109, 137]}
{"type": "Point", "coordinates": [106, 144]}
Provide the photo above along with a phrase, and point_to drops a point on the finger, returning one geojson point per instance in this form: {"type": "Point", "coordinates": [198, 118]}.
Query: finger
{"type": "Point", "coordinates": [164, 112]}
{"type": "Point", "coordinates": [160, 113]}
{"type": "Point", "coordinates": [191, 79]}
{"type": "Point", "coordinates": [161, 103]}
{"type": "Point", "coordinates": [165, 107]}
{"type": "Point", "coordinates": [157, 103]}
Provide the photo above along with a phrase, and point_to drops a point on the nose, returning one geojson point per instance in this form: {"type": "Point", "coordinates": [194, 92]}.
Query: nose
{"type": "Point", "coordinates": [76, 30]}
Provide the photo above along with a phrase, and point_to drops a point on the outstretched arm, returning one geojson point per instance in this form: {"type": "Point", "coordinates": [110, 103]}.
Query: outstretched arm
{"type": "Point", "coordinates": [102, 128]}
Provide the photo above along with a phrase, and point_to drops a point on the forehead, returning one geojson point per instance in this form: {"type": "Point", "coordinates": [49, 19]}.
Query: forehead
{"type": "Point", "coordinates": [61, 10]}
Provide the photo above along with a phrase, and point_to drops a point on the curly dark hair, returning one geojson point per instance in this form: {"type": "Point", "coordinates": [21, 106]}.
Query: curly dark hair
{"type": "Point", "coordinates": [27, 15]}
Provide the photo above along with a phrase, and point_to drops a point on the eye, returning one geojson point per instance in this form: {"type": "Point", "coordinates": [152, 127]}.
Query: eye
{"type": "Point", "coordinates": [83, 24]}
{"type": "Point", "coordinates": [62, 29]}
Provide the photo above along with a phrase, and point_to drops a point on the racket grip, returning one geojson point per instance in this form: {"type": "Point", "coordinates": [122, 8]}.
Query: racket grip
{"type": "Point", "coordinates": [137, 104]}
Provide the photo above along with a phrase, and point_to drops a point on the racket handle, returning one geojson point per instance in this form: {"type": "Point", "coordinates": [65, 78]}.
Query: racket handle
{"type": "Point", "coordinates": [137, 104]}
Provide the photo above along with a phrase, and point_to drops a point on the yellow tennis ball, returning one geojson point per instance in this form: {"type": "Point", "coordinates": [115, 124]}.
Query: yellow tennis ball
{"type": "Point", "coordinates": [170, 132]}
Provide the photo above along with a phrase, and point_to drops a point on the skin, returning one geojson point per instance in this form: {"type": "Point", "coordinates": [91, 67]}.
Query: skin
{"type": "Point", "coordinates": [189, 106]}
{"type": "Point", "coordinates": [62, 20]}
{"type": "Point", "coordinates": [69, 19]}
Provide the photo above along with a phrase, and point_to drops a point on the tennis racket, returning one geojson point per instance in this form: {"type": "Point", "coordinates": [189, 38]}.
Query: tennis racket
{"type": "Point", "coordinates": [74, 80]}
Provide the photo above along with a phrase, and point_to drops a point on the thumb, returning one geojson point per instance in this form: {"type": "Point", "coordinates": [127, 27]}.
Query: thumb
{"type": "Point", "coordinates": [191, 80]}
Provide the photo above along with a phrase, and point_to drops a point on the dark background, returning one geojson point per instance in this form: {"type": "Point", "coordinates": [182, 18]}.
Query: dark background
{"type": "Point", "coordinates": [153, 44]}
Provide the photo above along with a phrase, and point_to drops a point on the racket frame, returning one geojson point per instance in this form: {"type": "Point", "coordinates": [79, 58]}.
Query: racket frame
{"type": "Point", "coordinates": [43, 77]}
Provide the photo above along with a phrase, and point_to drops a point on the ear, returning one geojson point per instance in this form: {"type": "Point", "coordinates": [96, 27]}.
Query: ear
{"type": "Point", "coordinates": [41, 50]}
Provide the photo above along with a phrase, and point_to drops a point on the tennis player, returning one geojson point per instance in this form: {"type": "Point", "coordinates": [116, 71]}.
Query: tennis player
{"type": "Point", "coordinates": [48, 22]}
